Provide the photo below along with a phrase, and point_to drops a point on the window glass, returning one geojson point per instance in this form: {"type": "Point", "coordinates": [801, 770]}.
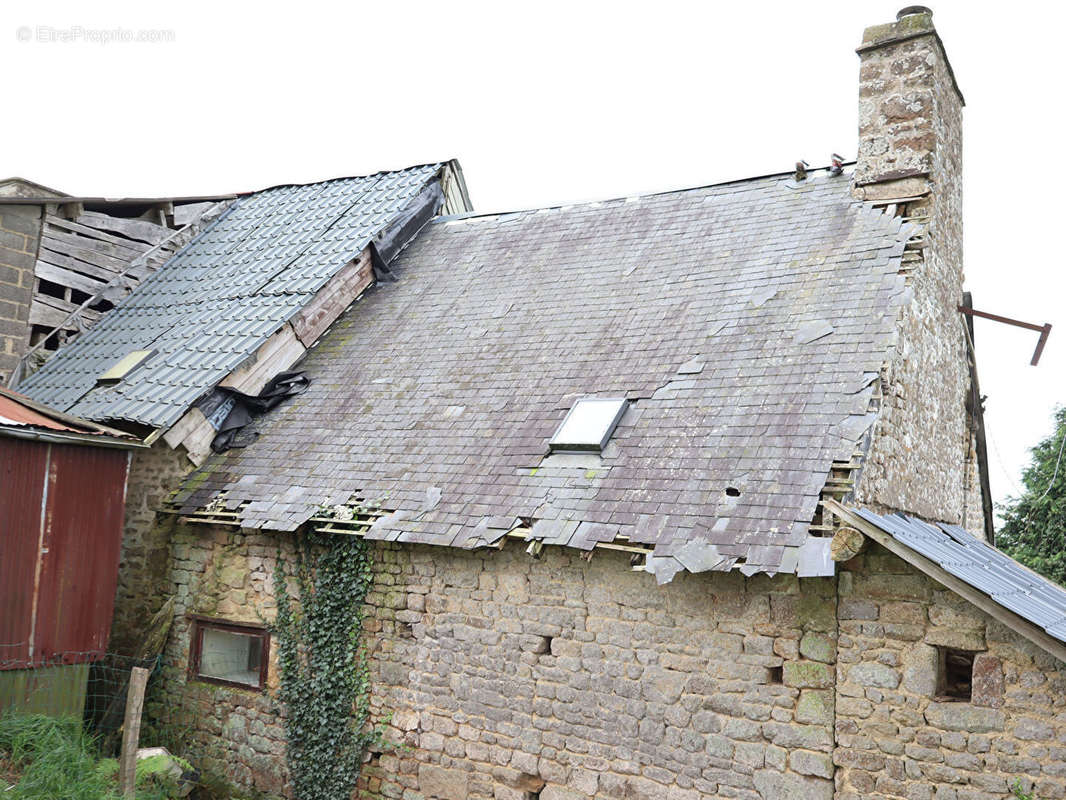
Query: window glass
{"type": "Point", "coordinates": [589, 424]}
{"type": "Point", "coordinates": [230, 656]}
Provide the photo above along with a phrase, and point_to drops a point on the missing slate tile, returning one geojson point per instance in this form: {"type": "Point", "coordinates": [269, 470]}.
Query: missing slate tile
{"type": "Point", "coordinates": [732, 491]}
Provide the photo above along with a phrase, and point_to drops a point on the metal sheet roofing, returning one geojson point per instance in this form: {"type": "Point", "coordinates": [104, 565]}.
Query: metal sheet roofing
{"type": "Point", "coordinates": [18, 411]}
{"type": "Point", "coordinates": [436, 395]}
{"type": "Point", "coordinates": [982, 566]}
{"type": "Point", "coordinates": [218, 299]}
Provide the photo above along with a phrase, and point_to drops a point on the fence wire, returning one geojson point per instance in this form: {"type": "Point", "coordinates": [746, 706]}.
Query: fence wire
{"type": "Point", "coordinates": [89, 685]}
{"type": "Point", "coordinates": [92, 687]}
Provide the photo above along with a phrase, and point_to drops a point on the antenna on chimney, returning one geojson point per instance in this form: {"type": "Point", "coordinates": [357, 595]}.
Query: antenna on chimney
{"type": "Point", "coordinates": [801, 170]}
{"type": "Point", "coordinates": [838, 164]}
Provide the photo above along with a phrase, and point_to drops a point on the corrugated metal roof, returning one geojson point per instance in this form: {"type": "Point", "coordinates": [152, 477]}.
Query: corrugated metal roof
{"type": "Point", "coordinates": [990, 571]}
{"type": "Point", "coordinates": [436, 396]}
{"type": "Point", "coordinates": [18, 411]}
{"type": "Point", "coordinates": [217, 300]}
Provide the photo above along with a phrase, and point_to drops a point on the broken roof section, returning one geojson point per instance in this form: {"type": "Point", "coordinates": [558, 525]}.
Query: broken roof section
{"type": "Point", "coordinates": [436, 397]}
{"type": "Point", "coordinates": [211, 306]}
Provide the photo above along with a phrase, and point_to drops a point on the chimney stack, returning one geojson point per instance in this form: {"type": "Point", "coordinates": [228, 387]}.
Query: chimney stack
{"type": "Point", "coordinates": [922, 454]}
{"type": "Point", "coordinates": [910, 107]}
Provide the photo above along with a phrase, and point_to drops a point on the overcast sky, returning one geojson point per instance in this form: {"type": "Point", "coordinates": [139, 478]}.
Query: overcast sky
{"type": "Point", "coordinates": [547, 103]}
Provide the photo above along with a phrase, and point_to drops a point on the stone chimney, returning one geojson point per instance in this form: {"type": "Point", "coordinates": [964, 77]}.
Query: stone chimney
{"type": "Point", "coordinates": [910, 107]}
{"type": "Point", "coordinates": [922, 456]}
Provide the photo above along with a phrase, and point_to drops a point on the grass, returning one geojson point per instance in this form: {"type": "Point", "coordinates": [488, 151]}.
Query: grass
{"type": "Point", "coordinates": [54, 758]}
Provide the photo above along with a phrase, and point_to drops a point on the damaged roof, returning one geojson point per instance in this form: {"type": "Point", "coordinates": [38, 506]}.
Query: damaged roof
{"type": "Point", "coordinates": [209, 308]}
{"type": "Point", "coordinates": [745, 322]}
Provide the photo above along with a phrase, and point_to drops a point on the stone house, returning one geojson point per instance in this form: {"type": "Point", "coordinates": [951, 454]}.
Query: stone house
{"type": "Point", "coordinates": [646, 480]}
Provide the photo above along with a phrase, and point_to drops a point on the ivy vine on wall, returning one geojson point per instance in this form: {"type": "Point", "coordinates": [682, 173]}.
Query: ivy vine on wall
{"type": "Point", "coordinates": [325, 680]}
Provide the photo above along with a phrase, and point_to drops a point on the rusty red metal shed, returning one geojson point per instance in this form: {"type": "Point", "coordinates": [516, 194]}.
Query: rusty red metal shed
{"type": "Point", "coordinates": [62, 498]}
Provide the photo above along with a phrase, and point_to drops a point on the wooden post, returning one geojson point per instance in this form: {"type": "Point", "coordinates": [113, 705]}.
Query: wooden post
{"type": "Point", "coordinates": [847, 543]}
{"type": "Point", "coordinates": [131, 732]}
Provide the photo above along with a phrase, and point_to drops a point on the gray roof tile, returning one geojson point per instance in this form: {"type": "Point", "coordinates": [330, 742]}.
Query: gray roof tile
{"type": "Point", "coordinates": [606, 299]}
{"type": "Point", "coordinates": [219, 298]}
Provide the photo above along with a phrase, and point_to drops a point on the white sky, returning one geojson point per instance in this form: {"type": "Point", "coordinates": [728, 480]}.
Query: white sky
{"type": "Point", "coordinates": [553, 102]}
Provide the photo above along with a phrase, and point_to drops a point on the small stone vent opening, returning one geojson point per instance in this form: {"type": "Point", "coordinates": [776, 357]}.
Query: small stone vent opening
{"type": "Point", "coordinates": [955, 674]}
{"type": "Point", "coordinates": [543, 646]}
{"type": "Point", "coordinates": [775, 675]}
{"type": "Point", "coordinates": [530, 785]}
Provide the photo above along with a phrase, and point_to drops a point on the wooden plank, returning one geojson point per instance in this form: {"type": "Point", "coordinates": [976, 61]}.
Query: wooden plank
{"type": "Point", "coordinates": [1016, 623]}
{"type": "Point", "coordinates": [185, 214]}
{"type": "Point", "coordinates": [140, 229]}
{"type": "Point", "coordinates": [198, 442]}
{"type": "Point", "coordinates": [67, 262]}
{"type": "Point", "coordinates": [275, 355]}
{"type": "Point", "coordinates": [67, 277]}
{"type": "Point", "coordinates": [131, 732]}
{"type": "Point", "coordinates": [51, 312]}
{"type": "Point", "coordinates": [93, 233]}
{"type": "Point", "coordinates": [124, 252]}
{"type": "Point", "coordinates": [183, 427]}
{"type": "Point", "coordinates": [333, 299]}
{"type": "Point", "coordinates": [82, 252]}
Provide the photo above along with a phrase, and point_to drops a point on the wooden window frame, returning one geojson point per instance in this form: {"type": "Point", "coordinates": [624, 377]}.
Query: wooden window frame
{"type": "Point", "coordinates": [201, 623]}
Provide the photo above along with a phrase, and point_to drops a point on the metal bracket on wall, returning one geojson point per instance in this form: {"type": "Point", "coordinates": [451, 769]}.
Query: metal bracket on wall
{"type": "Point", "coordinates": [1044, 329]}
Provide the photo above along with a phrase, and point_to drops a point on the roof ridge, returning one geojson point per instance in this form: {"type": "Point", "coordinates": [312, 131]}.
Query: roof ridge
{"type": "Point", "coordinates": [626, 198]}
{"type": "Point", "coordinates": [378, 174]}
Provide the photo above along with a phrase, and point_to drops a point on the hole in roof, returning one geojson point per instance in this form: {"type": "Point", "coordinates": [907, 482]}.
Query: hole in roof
{"type": "Point", "coordinates": [588, 425]}
{"type": "Point", "coordinates": [732, 491]}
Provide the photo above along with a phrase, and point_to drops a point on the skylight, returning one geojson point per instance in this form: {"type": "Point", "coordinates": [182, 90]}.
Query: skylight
{"type": "Point", "coordinates": [124, 366]}
{"type": "Point", "coordinates": [589, 424]}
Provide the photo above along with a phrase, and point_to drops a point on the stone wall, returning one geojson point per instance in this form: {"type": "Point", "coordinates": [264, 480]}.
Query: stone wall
{"type": "Point", "coordinates": [142, 573]}
{"type": "Point", "coordinates": [20, 228]}
{"type": "Point", "coordinates": [895, 738]}
{"type": "Point", "coordinates": [502, 676]}
{"type": "Point", "coordinates": [505, 675]}
{"type": "Point", "coordinates": [235, 733]}
{"type": "Point", "coordinates": [910, 143]}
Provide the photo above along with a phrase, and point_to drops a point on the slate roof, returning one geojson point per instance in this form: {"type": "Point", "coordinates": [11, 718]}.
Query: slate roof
{"type": "Point", "coordinates": [219, 298]}
{"type": "Point", "coordinates": [982, 566]}
{"type": "Point", "coordinates": [745, 321]}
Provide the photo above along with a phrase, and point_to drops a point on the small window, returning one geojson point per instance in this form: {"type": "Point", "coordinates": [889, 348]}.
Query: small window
{"type": "Point", "coordinates": [589, 424]}
{"type": "Point", "coordinates": [229, 653]}
{"type": "Point", "coordinates": [955, 675]}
